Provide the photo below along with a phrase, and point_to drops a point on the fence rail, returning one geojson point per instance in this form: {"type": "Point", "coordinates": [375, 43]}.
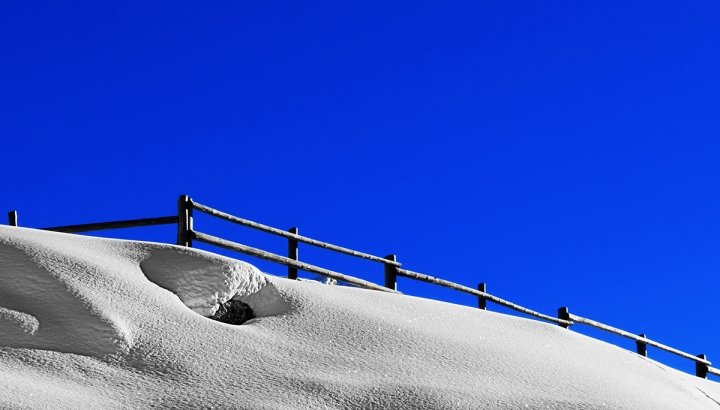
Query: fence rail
{"type": "Point", "coordinates": [702, 365]}
{"type": "Point", "coordinates": [639, 339]}
{"type": "Point", "coordinates": [482, 295]}
{"type": "Point", "coordinates": [289, 235]}
{"type": "Point", "coordinates": [186, 234]}
{"type": "Point", "coordinates": [258, 253]}
{"type": "Point", "coordinates": [130, 223]}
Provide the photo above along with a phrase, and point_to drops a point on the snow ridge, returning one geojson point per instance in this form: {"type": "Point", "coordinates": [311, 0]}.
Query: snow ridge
{"type": "Point", "coordinates": [98, 323]}
{"type": "Point", "coordinates": [201, 280]}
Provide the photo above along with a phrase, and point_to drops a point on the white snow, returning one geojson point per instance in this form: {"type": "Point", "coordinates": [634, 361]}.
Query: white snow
{"type": "Point", "coordinates": [201, 280]}
{"type": "Point", "coordinates": [99, 323]}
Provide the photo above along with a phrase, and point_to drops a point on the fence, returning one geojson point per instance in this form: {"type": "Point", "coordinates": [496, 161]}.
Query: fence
{"type": "Point", "coordinates": [186, 234]}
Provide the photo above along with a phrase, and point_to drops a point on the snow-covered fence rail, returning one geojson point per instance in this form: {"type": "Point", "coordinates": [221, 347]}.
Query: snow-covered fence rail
{"type": "Point", "coordinates": [480, 294]}
{"type": "Point", "coordinates": [702, 365]}
{"type": "Point", "coordinates": [289, 235]}
{"type": "Point", "coordinates": [391, 265]}
{"type": "Point", "coordinates": [259, 253]}
{"type": "Point", "coordinates": [186, 235]}
{"type": "Point", "coordinates": [392, 268]}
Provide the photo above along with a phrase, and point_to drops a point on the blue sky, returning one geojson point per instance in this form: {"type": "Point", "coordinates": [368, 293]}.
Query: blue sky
{"type": "Point", "coordinates": [564, 153]}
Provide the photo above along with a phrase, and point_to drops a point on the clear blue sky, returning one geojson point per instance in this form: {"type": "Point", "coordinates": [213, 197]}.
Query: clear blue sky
{"type": "Point", "coordinates": [566, 154]}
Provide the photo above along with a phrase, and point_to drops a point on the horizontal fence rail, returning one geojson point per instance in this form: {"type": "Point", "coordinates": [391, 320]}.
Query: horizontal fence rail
{"type": "Point", "coordinates": [289, 235]}
{"type": "Point", "coordinates": [258, 253]}
{"type": "Point", "coordinates": [130, 223]}
{"type": "Point", "coordinates": [483, 295]}
{"type": "Point", "coordinates": [644, 340]}
{"type": "Point", "coordinates": [186, 234]}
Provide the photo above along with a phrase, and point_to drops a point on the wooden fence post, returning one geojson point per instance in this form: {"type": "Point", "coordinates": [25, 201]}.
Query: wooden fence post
{"type": "Point", "coordinates": [12, 218]}
{"type": "Point", "coordinates": [482, 303]}
{"type": "Point", "coordinates": [563, 313]}
{"type": "Point", "coordinates": [391, 273]}
{"type": "Point", "coordinates": [701, 369]}
{"type": "Point", "coordinates": [185, 221]}
{"type": "Point", "coordinates": [641, 347]}
{"type": "Point", "coordinates": [293, 254]}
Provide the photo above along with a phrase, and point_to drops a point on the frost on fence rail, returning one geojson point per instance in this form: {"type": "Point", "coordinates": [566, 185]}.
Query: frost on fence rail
{"type": "Point", "coordinates": [258, 253]}
{"type": "Point", "coordinates": [702, 365]}
{"type": "Point", "coordinates": [486, 296]}
{"type": "Point", "coordinates": [288, 235]}
{"type": "Point", "coordinates": [620, 332]}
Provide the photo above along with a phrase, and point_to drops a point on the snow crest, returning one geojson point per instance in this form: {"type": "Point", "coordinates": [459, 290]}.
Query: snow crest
{"type": "Point", "coordinates": [26, 322]}
{"type": "Point", "coordinates": [201, 280]}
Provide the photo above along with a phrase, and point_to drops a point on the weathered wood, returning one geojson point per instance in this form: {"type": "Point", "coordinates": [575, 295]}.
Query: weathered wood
{"type": "Point", "coordinates": [288, 235]}
{"type": "Point", "coordinates": [293, 254]}
{"type": "Point", "coordinates": [482, 302]}
{"type": "Point", "coordinates": [185, 221]}
{"type": "Point", "coordinates": [701, 369]}
{"type": "Point", "coordinates": [13, 218]}
{"type": "Point", "coordinates": [619, 332]}
{"type": "Point", "coordinates": [641, 347]}
{"type": "Point", "coordinates": [131, 223]}
{"type": "Point", "coordinates": [487, 296]}
{"type": "Point", "coordinates": [564, 315]}
{"type": "Point", "coordinates": [391, 273]}
{"type": "Point", "coordinates": [258, 253]}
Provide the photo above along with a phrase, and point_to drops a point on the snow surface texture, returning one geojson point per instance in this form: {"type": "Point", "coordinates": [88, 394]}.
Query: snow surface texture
{"type": "Point", "coordinates": [99, 323]}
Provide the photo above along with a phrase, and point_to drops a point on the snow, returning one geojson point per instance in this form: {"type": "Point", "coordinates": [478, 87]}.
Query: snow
{"type": "Point", "coordinates": [201, 280]}
{"type": "Point", "coordinates": [99, 323]}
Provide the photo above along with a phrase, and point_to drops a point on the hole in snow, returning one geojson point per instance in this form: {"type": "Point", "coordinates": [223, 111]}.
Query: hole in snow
{"type": "Point", "coordinates": [233, 312]}
{"type": "Point", "coordinates": [214, 286]}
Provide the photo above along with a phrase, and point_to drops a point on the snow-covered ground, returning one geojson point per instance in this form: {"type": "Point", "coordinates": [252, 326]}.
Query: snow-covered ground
{"type": "Point", "coordinates": [89, 323]}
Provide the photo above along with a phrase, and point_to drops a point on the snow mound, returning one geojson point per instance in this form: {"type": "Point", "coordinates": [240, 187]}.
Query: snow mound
{"type": "Point", "coordinates": [68, 293]}
{"type": "Point", "coordinates": [98, 323]}
{"type": "Point", "coordinates": [200, 279]}
{"type": "Point", "coordinates": [53, 299]}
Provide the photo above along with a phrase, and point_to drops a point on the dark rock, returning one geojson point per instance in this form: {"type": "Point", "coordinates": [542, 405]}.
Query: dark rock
{"type": "Point", "coordinates": [233, 312]}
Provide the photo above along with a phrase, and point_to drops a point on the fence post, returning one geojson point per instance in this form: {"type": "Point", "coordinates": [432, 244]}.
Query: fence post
{"type": "Point", "coordinates": [482, 303]}
{"type": "Point", "coordinates": [293, 254]}
{"type": "Point", "coordinates": [564, 314]}
{"type": "Point", "coordinates": [701, 369]}
{"type": "Point", "coordinates": [391, 273]}
{"type": "Point", "coordinates": [641, 347]}
{"type": "Point", "coordinates": [12, 218]}
{"type": "Point", "coordinates": [185, 221]}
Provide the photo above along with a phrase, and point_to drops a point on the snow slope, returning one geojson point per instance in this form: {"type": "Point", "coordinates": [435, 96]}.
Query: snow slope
{"type": "Point", "coordinates": [99, 323]}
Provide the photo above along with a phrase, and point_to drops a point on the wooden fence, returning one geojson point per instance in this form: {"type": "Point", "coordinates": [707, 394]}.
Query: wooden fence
{"type": "Point", "coordinates": [186, 234]}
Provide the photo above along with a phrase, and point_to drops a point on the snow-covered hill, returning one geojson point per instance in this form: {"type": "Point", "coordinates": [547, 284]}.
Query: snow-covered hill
{"type": "Point", "coordinates": [89, 323]}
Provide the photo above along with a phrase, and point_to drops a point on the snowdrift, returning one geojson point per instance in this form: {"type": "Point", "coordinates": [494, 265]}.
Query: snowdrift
{"type": "Point", "coordinates": [98, 323]}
